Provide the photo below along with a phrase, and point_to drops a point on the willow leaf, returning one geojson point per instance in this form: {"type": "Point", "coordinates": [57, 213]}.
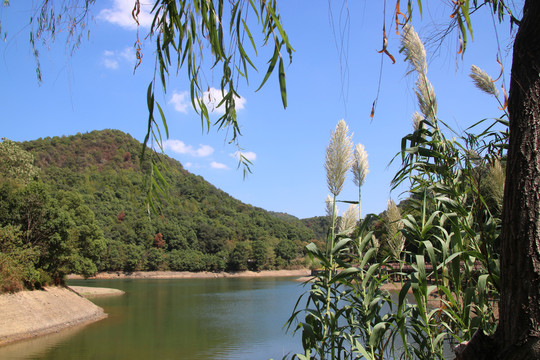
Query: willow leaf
{"type": "Point", "coordinates": [164, 120]}
{"type": "Point", "coordinates": [282, 85]}
{"type": "Point", "coordinates": [271, 66]}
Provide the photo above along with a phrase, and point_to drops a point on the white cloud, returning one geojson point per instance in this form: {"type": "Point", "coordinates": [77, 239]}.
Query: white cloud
{"type": "Point", "coordinates": [220, 166]}
{"type": "Point", "coordinates": [249, 155]}
{"type": "Point", "coordinates": [128, 54]}
{"type": "Point", "coordinates": [180, 147]}
{"type": "Point", "coordinates": [113, 59]}
{"type": "Point", "coordinates": [180, 101]}
{"type": "Point", "coordinates": [110, 63]}
{"type": "Point", "coordinates": [120, 14]}
{"type": "Point", "coordinates": [213, 97]}
{"type": "Point", "coordinates": [204, 150]}
{"type": "Point", "coordinates": [177, 146]}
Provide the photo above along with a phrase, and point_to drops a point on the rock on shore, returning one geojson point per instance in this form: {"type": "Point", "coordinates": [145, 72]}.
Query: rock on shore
{"type": "Point", "coordinates": [28, 314]}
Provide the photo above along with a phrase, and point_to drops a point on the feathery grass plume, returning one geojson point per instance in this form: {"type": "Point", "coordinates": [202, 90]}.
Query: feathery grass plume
{"type": "Point", "coordinates": [360, 169]}
{"type": "Point", "coordinates": [426, 97]}
{"type": "Point", "coordinates": [415, 53]}
{"type": "Point", "coordinates": [330, 206]}
{"type": "Point", "coordinates": [414, 50]}
{"type": "Point", "coordinates": [416, 120]}
{"type": "Point", "coordinates": [338, 158]}
{"type": "Point", "coordinates": [395, 239]}
{"type": "Point", "coordinates": [348, 220]}
{"type": "Point", "coordinates": [483, 81]}
{"type": "Point", "coordinates": [375, 242]}
{"type": "Point", "coordinates": [495, 184]}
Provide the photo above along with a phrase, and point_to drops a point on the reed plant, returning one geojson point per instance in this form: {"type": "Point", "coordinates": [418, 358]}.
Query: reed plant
{"type": "Point", "coordinates": [343, 314]}
{"type": "Point", "coordinates": [450, 227]}
{"type": "Point", "coordinates": [395, 241]}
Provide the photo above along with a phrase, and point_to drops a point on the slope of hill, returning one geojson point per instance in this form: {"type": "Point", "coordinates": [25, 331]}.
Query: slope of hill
{"type": "Point", "coordinates": [200, 227]}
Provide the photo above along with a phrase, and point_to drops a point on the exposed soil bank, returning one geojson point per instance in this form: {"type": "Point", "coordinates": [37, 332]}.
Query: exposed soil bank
{"type": "Point", "coordinates": [194, 275]}
{"type": "Point", "coordinates": [27, 314]}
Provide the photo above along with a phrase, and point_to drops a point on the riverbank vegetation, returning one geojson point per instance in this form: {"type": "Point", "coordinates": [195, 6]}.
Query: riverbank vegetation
{"type": "Point", "coordinates": [446, 235]}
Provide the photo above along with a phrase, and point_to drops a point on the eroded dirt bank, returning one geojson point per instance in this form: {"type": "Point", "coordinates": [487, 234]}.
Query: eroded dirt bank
{"type": "Point", "coordinates": [27, 314]}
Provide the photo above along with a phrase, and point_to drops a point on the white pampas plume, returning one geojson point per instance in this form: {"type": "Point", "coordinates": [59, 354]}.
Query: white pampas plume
{"type": "Point", "coordinates": [414, 49]}
{"type": "Point", "coordinates": [483, 81]}
{"type": "Point", "coordinates": [415, 53]}
{"type": "Point", "coordinates": [338, 158]}
{"type": "Point", "coordinates": [426, 97]}
{"type": "Point", "coordinates": [348, 220]}
{"type": "Point", "coordinates": [417, 120]}
{"type": "Point", "coordinates": [360, 169]}
{"type": "Point", "coordinates": [395, 239]}
{"type": "Point", "coordinates": [330, 206]}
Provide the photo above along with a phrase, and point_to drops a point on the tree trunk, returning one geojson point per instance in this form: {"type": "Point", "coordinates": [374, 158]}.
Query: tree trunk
{"type": "Point", "coordinates": [518, 332]}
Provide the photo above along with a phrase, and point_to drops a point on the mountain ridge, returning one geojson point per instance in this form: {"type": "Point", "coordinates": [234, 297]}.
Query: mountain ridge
{"type": "Point", "coordinates": [200, 228]}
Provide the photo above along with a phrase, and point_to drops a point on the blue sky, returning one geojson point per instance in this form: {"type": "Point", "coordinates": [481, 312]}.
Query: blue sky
{"type": "Point", "coordinates": [95, 88]}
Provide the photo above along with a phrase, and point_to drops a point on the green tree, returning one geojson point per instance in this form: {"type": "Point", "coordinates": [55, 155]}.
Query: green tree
{"type": "Point", "coordinates": [212, 237]}
{"type": "Point", "coordinates": [261, 256]}
{"type": "Point", "coordinates": [155, 259]}
{"type": "Point", "coordinates": [85, 235]}
{"type": "Point", "coordinates": [50, 236]}
{"type": "Point", "coordinates": [133, 258]}
{"type": "Point", "coordinates": [286, 250]}
{"type": "Point", "coordinates": [16, 260]}
{"type": "Point", "coordinates": [15, 163]}
{"type": "Point", "coordinates": [239, 256]}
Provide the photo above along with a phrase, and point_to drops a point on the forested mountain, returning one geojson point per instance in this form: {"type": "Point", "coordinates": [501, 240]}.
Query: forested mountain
{"type": "Point", "coordinates": [199, 228]}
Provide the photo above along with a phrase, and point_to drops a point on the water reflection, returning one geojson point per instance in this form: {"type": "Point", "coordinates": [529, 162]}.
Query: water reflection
{"type": "Point", "coordinates": [179, 319]}
{"type": "Point", "coordinates": [37, 347]}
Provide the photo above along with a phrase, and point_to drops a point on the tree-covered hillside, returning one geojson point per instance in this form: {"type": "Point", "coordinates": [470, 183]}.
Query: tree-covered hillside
{"type": "Point", "coordinates": [199, 227]}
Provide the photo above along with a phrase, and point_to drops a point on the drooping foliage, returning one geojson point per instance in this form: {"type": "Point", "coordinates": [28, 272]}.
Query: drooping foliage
{"type": "Point", "coordinates": [191, 38]}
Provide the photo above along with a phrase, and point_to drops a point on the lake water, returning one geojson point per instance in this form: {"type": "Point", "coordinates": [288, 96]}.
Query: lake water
{"type": "Point", "coordinates": [223, 318]}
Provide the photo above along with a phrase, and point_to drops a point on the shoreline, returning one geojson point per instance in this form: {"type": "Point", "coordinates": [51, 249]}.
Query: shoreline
{"type": "Point", "coordinates": [89, 292]}
{"type": "Point", "coordinates": [29, 314]}
{"type": "Point", "coordinates": [193, 275]}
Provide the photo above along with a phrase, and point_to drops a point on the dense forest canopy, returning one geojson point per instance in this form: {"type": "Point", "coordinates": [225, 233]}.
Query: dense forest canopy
{"type": "Point", "coordinates": [86, 194]}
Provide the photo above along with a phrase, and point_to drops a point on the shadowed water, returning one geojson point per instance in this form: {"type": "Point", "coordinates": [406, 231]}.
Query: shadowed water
{"type": "Point", "coordinates": [224, 318]}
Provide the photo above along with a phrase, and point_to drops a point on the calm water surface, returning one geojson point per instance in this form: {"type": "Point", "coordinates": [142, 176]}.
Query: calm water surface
{"type": "Point", "coordinates": [224, 318]}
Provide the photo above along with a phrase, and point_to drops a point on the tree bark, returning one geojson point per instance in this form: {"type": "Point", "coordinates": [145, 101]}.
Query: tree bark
{"type": "Point", "coordinates": [518, 332]}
